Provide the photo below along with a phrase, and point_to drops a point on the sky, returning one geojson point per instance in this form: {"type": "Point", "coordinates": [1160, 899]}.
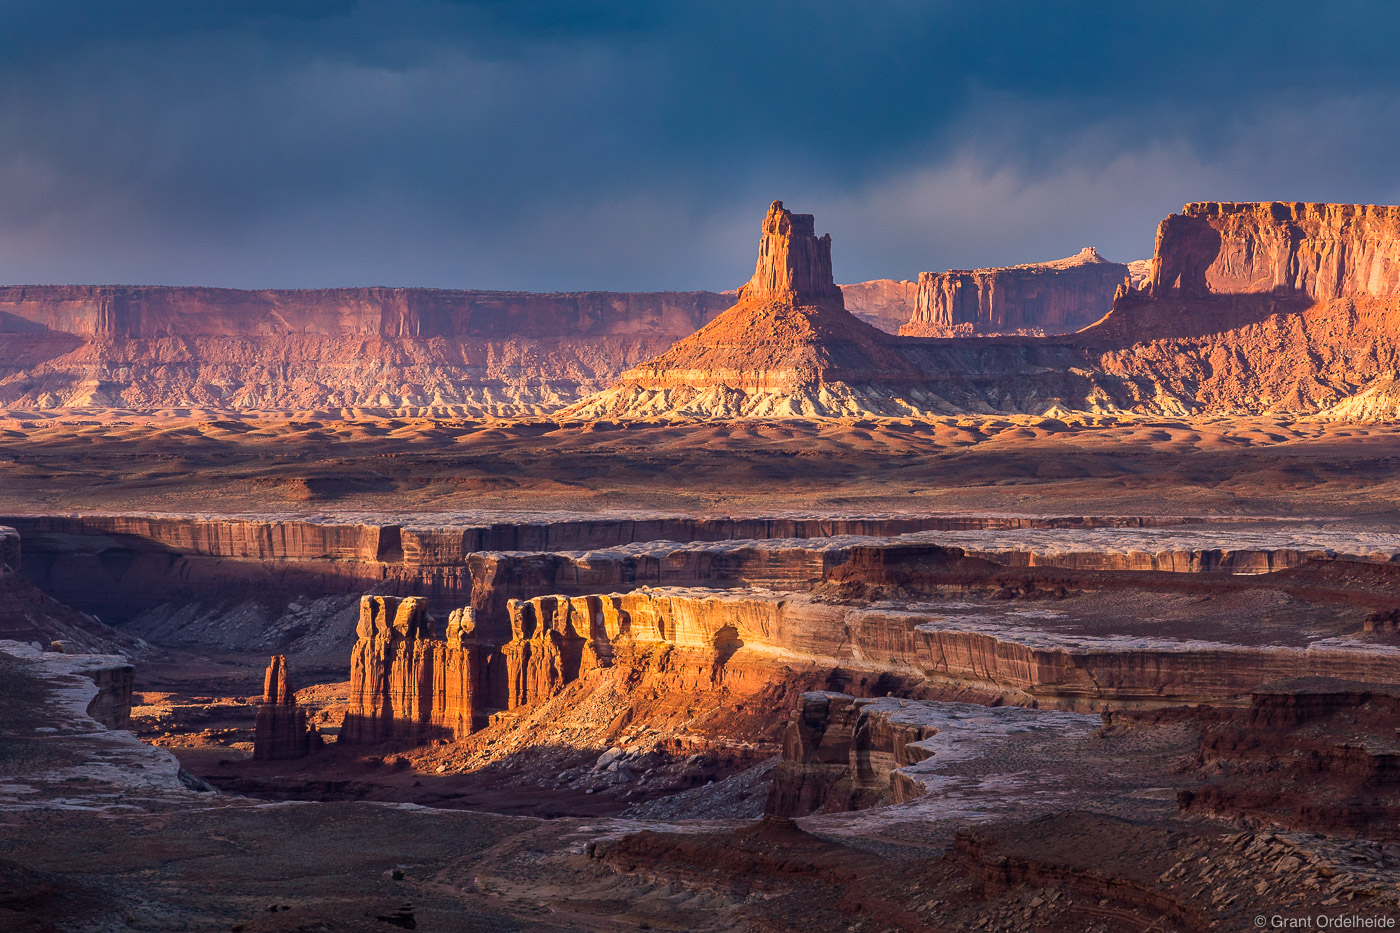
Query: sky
{"type": "Point", "coordinates": [555, 145]}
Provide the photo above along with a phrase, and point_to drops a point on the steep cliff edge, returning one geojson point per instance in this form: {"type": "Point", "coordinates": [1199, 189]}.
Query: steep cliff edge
{"type": "Point", "coordinates": [1322, 251]}
{"type": "Point", "coordinates": [1312, 753]}
{"type": "Point", "coordinates": [1048, 297]}
{"type": "Point", "coordinates": [1248, 308]}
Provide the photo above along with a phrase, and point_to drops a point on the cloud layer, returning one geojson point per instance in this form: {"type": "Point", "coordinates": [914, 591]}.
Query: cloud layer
{"type": "Point", "coordinates": [580, 144]}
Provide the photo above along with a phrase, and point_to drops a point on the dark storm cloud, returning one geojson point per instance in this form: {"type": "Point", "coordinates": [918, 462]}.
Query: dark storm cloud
{"type": "Point", "coordinates": [586, 144]}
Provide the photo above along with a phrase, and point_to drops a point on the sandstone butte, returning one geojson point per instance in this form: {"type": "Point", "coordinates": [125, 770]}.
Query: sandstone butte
{"type": "Point", "coordinates": [787, 348]}
{"type": "Point", "coordinates": [281, 732]}
{"type": "Point", "coordinates": [1054, 297]}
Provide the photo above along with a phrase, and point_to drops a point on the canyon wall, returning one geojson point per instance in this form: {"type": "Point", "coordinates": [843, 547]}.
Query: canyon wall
{"type": "Point", "coordinates": [409, 682]}
{"type": "Point", "coordinates": [9, 550]}
{"type": "Point", "coordinates": [120, 565]}
{"type": "Point", "coordinates": [1053, 297]}
{"type": "Point", "coordinates": [840, 753]}
{"type": "Point", "coordinates": [1311, 753]}
{"type": "Point", "coordinates": [1322, 251]}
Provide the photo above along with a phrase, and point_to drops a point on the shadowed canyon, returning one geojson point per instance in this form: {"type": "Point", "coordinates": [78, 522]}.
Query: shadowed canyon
{"type": "Point", "coordinates": [1060, 596]}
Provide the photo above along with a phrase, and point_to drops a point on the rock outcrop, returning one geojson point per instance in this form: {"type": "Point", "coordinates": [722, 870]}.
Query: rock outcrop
{"type": "Point", "coordinates": [403, 683]}
{"type": "Point", "coordinates": [1321, 251]}
{"type": "Point", "coordinates": [281, 732]}
{"type": "Point", "coordinates": [9, 550]}
{"type": "Point", "coordinates": [1047, 297]}
{"type": "Point", "coordinates": [839, 754]}
{"type": "Point", "coordinates": [884, 303]}
{"type": "Point", "coordinates": [1312, 753]}
{"type": "Point", "coordinates": [788, 347]}
{"type": "Point", "coordinates": [31, 616]}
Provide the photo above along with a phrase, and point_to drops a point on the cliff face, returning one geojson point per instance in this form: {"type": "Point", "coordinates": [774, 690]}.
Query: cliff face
{"type": "Point", "coordinates": [884, 303]}
{"type": "Point", "coordinates": [1310, 753]}
{"type": "Point", "coordinates": [153, 311]}
{"type": "Point", "coordinates": [9, 550]}
{"type": "Point", "coordinates": [840, 753]}
{"type": "Point", "coordinates": [472, 353]}
{"type": "Point", "coordinates": [794, 264]}
{"type": "Point", "coordinates": [1322, 251]}
{"type": "Point", "coordinates": [281, 731]}
{"type": "Point", "coordinates": [407, 683]}
{"type": "Point", "coordinates": [411, 683]}
{"type": "Point", "coordinates": [1052, 297]}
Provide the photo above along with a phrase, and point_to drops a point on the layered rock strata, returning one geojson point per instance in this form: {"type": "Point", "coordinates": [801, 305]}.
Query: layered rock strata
{"type": "Point", "coordinates": [117, 565]}
{"type": "Point", "coordinates": [1250, 308]}
{"type": "Point", "coordinates": [408, 682]}
{"type": "Point", "coordinates": [839, 753]}
{"type": "Point", "coordinates": [333, 350]}
{"type": "Point", "coordinates": [1313, 753]}
{"type": "Point", "coordinates": [155, 312]}
{"type": "Point", "coordinates": [884, 303]}
{"type": "Point", "coordinates": [1321, 251]}
{"type": "Point", "coordinates": [281, 732]}
{"type": "Point", "coordinates": [1049, 297]}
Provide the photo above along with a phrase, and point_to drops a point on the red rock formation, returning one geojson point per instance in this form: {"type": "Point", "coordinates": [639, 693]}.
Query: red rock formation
{"type": "Point", "coordinates": [148, 312]}
{"type": "Point", "coordinates": [884, 303]}
{"type": "Point", "coordinates": [480, 353]}
{"type": "Point", "coordinates": [794, 264]}
{"type": "Point", "coordinates": [281, 732]}
{"type": "Point", "coordinates": [1322, 251]}
{"type": "Point", "coordinates": [406, 683]}
{"type": "Point", "coordinates": [788, 347]}
{"type": "Point", "coordinates": [1049, 297]}
{"type": "Point", "coordinates": [1312, 753]}
{"type": "Point", "coordinates": [401, 684]}
{"type": "Point", "coordinates": [839, 754]}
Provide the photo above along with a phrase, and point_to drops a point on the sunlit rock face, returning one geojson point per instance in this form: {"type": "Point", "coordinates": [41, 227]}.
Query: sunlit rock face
{"type": "Point", "coordinates": [1322, 251]}
{"type": "Point", "coordinates": [794, 264]}
{"type": "Point", "coordinates": [787, 348]}
{"type": "Point", "coordinates": [1054, 297]}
